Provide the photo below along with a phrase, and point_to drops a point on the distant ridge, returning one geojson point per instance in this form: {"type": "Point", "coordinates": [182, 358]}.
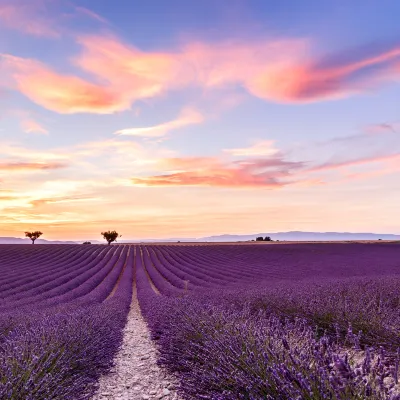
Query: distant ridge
{"type": "Point", "coordinates": [296, 236]}
{"type": "Point", "coordinates": [303, 236]}
{"type": "Point", "coordinates": [14, 240]}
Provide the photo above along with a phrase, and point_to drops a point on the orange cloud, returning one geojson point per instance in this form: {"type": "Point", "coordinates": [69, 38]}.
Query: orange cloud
{"type": "Point", "coordinates": [146, 74]}
{"type": "Point", "coordinates": [140, 74]}
{"type": "Point", "coordinates": [187, 117]}
{"type": "Point", "coordinates": [65, 94]}
{"type": "Point", "coordinates": [32, 126]}
{"type": "Point", "coordinates": [30, 166]}
{"type": "Point", "coordinates": [62, 199]}
{"type": "Point", "coordinates": [9, 198]}
{"type": "Point", "coordinates": [212, 172]}
{"type": "Point", "coordinates": [275, 70]}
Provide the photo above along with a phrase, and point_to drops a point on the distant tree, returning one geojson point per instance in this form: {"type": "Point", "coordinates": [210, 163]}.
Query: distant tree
{"type": "Point", "coordinates": [110, 236]}
{"type": "Point", "coordinates": [87, 242]}
{"type": "Point", "coordinates": [33, 235]}
{"type": "Point", "coordinates": [259, 239]}
{"type": "Point", "coordinates": [267, 239]}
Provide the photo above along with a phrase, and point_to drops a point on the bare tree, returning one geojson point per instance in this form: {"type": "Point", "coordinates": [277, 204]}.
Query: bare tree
{"type": "Point", "coordinates": [110, 236]}
{"type": "Point", "coordinates": [33, 235]}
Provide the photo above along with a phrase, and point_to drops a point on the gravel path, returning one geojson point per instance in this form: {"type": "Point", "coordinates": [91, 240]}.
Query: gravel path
{"type": "Point", "coordinates": [136, 374]}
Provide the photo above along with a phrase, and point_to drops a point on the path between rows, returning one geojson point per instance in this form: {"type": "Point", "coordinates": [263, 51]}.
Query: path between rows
{"type": "Point", "coordinates": [136, 375]}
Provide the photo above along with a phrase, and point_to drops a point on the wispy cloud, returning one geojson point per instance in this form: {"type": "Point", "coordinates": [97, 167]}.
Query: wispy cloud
{"type": "Point", "coordinates": [91, 14]}
{"type": "Point", "coordinates": [354, 162]}
{"type": "Point", "coordinates": [31, 17]}
{"type": "Point", "coordinates": [382, 128]}
{"type": "Point", "coordinates": [30, 166]}
{"type": "Point", "coordinates": [32, 126]}
{"type": "Point", "coordinates": [43, 18]}
{"type": "Point", "coordinates": [373, 131]}
{"type": "Point", "coordinates": [187, 117]}
{"type": "Point", "coordinates": [268, 173]}
{"type": "Point", "coordinates": [262, 148]}
{"type": "Point", "coordinates": [63, 199]}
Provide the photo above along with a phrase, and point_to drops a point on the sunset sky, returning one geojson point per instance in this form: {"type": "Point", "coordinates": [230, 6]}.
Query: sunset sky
{"type": "Point", "coordinates": [189, 118]}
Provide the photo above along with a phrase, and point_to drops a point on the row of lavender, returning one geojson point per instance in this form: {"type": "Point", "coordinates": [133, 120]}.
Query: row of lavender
{"type": "Point", "coordinates": [334, 335]}
{"type": "Point", "coordinates": [62, 311]}
{"type": "Point", "coordinates": [219, 265]}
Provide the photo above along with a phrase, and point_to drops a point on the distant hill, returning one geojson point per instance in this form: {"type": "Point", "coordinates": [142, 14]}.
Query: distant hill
{"type": "Point", "coordinates": [303, 236]}
{"type": "Point", "coordinates": [296, 236]}
{"type": "Point", "coordinates": [14, 240]}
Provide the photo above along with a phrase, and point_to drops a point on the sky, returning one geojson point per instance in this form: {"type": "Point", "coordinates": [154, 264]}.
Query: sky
{"type": "Point", "coordinates": [180, 118]}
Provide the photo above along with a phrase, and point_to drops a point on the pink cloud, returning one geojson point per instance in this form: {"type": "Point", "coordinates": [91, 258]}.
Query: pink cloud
{"type": "Point", "coordinates": [32, 126]}
{"type": "Point", "coordinates": [28, 17]}
{"type": "Point", "coordinates": [42, 18]}
{"type": "Point", "coordinates": [277, 70]}
{"type": "Point", "coordinates": [207, 65]}
{"type": "Point", "coordinates": [382, 128]}
{"type": "Point", "coordinates": [283, 71]}
{"type": "Point", "coordinates": [309, 81]}
{"type": "Point", "coordinates": [209, 171]}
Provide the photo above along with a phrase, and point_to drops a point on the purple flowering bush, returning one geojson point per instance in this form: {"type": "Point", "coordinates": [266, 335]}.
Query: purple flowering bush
{"type": "Point", "coordinates": [58, 348]}
{"type": "Point", "coordinates": [326, 336]}
{"type": "Point", "coordinates": [228, 350]}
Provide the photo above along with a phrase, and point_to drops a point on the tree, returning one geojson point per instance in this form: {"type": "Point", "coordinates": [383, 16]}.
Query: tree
{"type": "Point", "coordinates": [259, 239]}
{"type": "Point", "coordinates": [267, 239]}
{"type": "Point", "coordinates": [33, 235]}
{"type": "Point", "coordinates": [87, 242]}
{"type": "Point", "coordinates": [111, 236]}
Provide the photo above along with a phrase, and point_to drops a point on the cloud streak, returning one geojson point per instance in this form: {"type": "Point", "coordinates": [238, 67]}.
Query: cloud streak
{"type": "Point", "coordinates": [29, 17]}
{"type": "Point", "coordinates": [262, 148]}
{"type": "Point", "coordinates": [30, 166]}
{"type": "Point", "coordinates": [91, 14]}
{"type": "Point", "coordinates": [187, 117]}
{"type": "Point", "coordinates": [44, 18]}
{"type": "Point", "coordinates": [213, 172]}
{"type": "Point", "coordinates": [32, 126]}
{"type": "Point", "coordinates": [351, 163]}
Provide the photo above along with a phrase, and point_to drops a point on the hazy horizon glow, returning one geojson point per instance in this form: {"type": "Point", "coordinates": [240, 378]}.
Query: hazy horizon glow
{"type": "Point", "coordinates": [198, 118]}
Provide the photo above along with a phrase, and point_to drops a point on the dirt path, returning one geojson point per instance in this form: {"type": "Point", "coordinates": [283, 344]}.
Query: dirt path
{"type": "Point", "coordinates": [136, 374]}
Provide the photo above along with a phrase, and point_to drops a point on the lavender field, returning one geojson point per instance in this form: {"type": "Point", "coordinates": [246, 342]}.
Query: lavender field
{"type": "Point", "coordinates": [231, 321]}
